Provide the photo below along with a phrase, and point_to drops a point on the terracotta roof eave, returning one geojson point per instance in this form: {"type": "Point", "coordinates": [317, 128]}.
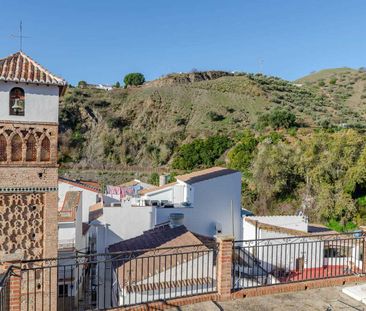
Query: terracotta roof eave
{"type": "Point", "coordinates": [156, 189]}
{"type": "Point", "coordinates": [34, 82]}
{"type": "Point", "coordinates": [19, 67]}
{"type": "Point", "coordinates": [78, 184]}
{"type": "Point", "coordinates": [275, 228]}
{"type": "Point", "coordinates": [205, 174]}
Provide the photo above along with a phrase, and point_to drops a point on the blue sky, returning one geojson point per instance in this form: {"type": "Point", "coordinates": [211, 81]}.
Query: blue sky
{"type": "Point", "coordinates": [101, 41]}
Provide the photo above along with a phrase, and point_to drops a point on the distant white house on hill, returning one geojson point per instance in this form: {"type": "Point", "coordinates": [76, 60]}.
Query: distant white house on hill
{"type": "Point", "coordinates": [100, 86]}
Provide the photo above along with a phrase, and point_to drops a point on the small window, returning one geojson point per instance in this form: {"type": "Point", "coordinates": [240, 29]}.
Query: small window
{"type": "Point", "coordinates": [45, 149]}
{"type": "Point", "coordinates": [31, 154]}
{"type": "Point", "coordinates": [16, 148]}
{"type": "Point", "coordinates": [3, 155]}
{"type": "Point", "coordinates": [16, 102]}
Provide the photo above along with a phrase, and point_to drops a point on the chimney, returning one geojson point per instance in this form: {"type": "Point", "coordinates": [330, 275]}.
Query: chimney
{"type": "Point", "coordinates": [176, 220]}
{"type": "Point", "coordinates": [163, 180]}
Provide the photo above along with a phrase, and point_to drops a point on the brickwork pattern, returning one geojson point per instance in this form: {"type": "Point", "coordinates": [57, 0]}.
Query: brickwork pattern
{"type": "Point", "coordinates": [21, 224]}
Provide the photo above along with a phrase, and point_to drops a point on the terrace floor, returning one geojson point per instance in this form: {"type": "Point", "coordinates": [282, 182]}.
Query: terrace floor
{"type": "Point", "coordinates": [326, 299]}
{"type": "Point", "coordinates": [318, 273]}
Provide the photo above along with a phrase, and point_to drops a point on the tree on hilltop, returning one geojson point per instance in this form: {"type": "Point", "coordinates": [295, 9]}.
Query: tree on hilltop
{"type": "Point", "coordinates": [134, 79]}
{"type": "Point", "coordinates": [82, 84]}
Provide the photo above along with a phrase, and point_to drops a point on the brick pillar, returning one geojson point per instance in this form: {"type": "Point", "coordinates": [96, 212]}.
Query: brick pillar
{"type": "Point", "coordinates": [15, 287]}
{"type": "Point", "coordinates": [224, 266]}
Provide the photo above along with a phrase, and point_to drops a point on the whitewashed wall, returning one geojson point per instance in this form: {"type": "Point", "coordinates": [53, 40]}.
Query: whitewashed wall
{"type": "Point", "coordinates": [281, 253]}
{"type": "Point", "coordinates": [41, 102]}
{"type": "Point", "coordinates": [127, 222]}
{"type": "Point", "coordinates": [211, 203]}
{"type": "Point", "coordinates": [66, 231]}
{"type": "Point", "coordinates": [80, 240]}
{"type": "Point", "coordinates": [163, 194]}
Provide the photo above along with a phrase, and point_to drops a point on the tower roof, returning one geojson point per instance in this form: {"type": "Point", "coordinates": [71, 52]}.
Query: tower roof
{"type": "Point", "coordinates": [19, 67]}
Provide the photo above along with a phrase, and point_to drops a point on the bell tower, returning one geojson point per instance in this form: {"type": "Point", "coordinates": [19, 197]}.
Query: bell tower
{"type": "Point", "coordinates": [29, 98]}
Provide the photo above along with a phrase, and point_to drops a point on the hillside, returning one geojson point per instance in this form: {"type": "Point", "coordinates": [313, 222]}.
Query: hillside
{"type": "Point", "coordinates": [188, 121]}
{"type": "Point", "coordinates": [145, 125]}
{"type": "Point", "coordinates": [345, 88]}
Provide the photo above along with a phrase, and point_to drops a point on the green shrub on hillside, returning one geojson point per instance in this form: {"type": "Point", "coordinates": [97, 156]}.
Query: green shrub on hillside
{"type": "Point", "coordinates": [201, 152]}
{"type": "Point", "coordinates": [277, 118]}
{"type": "Point", "coordinates": [154, 179]}
{"type": "Point", "coordinates": [242, 154]}
{"type": "Point", "coordinates": [214, 116]}
{"type": "Point", "coordinates": [333, 81]}
{"type": "Point", "coordinates": [117, 122]}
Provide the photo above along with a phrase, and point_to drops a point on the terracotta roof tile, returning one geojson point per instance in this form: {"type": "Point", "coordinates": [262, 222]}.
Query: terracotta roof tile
{"type": "Point", "coordinates": [151, 245]}
{"type": "Point", "coordinates": [157, 188]}
{"type": "Point", "coordinates": [68, 210]}
{"type": "Point", "coordinates": [19, 67]}
{"type": "Point", "coordinates": [206, 174]}
{"type": "Point", "coordinates": [82, 184]}
{"type": "Point", "coordinates": [206, 281]}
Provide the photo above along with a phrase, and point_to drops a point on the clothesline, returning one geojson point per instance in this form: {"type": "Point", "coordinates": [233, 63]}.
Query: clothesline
{"type": "Point", "coordinates": [123, 191]}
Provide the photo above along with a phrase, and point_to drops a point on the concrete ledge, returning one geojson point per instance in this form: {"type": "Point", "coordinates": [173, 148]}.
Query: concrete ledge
{"type": "Point", "coordinates": [224, 237]}
{"type": "Point", "coordinates": [297, 286]}
{"type": "Point", "coordinates": [162, 305]}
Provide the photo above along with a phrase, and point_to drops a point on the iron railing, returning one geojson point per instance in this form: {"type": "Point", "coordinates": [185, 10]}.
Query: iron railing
{"type": "Point", "coordinates": [264, 262]}
{"type": "Point", "coordinates": [5, 290]}
{"type": "Point", "coordinates": [106, 281]}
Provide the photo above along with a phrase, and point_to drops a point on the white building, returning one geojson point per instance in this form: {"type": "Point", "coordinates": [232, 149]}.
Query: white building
{"type": "Point", "coordinates": [209, 200]}
{"type": "Point", "coordinates": [99, 86]}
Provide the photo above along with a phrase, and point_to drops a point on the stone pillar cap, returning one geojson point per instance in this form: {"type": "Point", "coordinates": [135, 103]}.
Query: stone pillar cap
{"type": "Point", "coordinates": [224, 237]}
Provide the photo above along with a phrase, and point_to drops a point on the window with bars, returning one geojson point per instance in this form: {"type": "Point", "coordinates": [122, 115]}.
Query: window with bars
{"type": "Point", "coordinates": [45, 149]}
{"type": "Point", "coordinates": [3, 144]}
{"type": "Point", "coordinates": [16, 148]}
{"type": "Point", "coordinates": [31, 154]}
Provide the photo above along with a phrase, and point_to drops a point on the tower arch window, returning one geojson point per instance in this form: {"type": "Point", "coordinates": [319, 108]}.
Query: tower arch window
{"type": "Point", "coordinates": [31, 154]}
{"type": "Point", "coordinates": [16, 148]}
{"type": "Point", "coordinates": [16, 102]}
{"type": "Point", "coordinates": [45, 149]}
{"type": "Point", "coordinates": [3, 144]}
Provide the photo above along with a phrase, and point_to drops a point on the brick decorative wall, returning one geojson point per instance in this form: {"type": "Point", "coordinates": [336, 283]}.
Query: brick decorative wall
{"type": "Point", "coordinates": [23, 139]}
{"type": "Point", "coordinates": [21, 224]}
{"type": "Point", "coordinates": [224, 266]}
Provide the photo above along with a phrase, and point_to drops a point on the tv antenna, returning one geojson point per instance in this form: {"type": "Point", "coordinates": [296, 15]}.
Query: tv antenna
{"type": "Point", "coordinates": [260, 65]}
{"type": "Point", "coordinates": [20, 36]}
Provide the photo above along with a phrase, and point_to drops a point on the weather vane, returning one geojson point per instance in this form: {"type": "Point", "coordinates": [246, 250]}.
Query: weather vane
{"type": "Point", "coordinates": [20, 36]}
